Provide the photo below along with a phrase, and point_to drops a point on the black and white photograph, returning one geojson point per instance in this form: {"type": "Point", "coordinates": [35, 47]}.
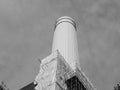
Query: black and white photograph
{"type": "Point", "coordinates": [59, 44]}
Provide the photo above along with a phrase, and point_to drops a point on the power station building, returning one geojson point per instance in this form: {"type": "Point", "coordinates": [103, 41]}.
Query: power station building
{"type": "Point", "coordinates": [61, 69]}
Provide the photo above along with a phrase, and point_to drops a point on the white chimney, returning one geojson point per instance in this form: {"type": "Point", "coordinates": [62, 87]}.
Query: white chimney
{"type": "Point", "coordinates": [65, 40]}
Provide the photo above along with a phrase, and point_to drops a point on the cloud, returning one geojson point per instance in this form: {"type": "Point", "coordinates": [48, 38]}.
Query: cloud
{"type": "Point", "coordinates": [26, 29]}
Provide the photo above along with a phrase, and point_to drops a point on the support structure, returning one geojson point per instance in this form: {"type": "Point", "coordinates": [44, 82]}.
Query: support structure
{"type": "Point", "coordinates": [3, 86]}
{"type": "Point", "coordinates": [60, 71]}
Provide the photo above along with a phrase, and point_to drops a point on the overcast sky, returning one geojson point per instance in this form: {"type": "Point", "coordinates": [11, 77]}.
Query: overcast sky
{"type": "Point", "coordinates": [26, 31]}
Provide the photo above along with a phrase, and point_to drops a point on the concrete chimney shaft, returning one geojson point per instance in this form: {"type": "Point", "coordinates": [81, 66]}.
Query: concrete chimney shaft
{"type": "Point", "coordinates": [65, 40]}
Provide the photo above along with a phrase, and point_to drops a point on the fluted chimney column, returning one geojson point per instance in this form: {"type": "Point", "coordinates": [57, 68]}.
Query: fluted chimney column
{"type": "Point", "coordinates": [65, 40]}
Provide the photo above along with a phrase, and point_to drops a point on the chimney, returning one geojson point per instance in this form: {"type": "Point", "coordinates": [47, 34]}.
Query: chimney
{"type": "Point", "coordinates": [65, 40]}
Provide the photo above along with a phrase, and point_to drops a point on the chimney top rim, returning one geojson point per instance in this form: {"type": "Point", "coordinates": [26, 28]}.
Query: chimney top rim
{"type": "Point", "coordinates": [65, 19]}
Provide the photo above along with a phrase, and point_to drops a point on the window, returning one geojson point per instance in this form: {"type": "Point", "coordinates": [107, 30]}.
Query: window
{"type": "Point", "coordinates": [74, 84]}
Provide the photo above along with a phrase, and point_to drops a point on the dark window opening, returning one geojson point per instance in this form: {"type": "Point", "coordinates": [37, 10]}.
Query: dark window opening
{"type": "Point", "coordinates": [74, 84]}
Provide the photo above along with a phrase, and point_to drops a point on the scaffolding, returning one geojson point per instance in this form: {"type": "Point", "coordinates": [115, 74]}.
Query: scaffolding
{"type": "Point", "coordinates": [3, 86]}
